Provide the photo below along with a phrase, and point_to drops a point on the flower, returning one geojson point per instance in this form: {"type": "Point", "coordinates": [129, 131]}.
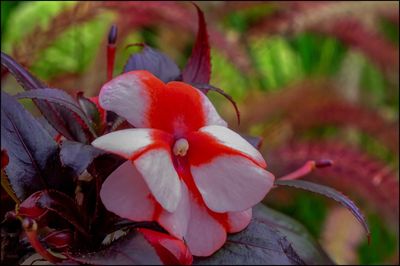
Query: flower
{"type": "Point", "coordinates": [185, 168]}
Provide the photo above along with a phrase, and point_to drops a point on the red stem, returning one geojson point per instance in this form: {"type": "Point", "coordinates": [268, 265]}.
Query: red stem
{"type": "Point", "coordinates": [307, 168]}
{"type": "Point", "coordinates": [110, 60]}
{"type": "Point", "coordinates": [30, 227]}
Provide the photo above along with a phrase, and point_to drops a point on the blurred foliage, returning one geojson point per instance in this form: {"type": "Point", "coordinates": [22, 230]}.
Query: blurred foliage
{"type": "Point", "coordinates": [268, 62]}
{"type": "Point", "coordinates": [6, 9]}
{"type": "Point", "coordinates": [310, 210]}
{"type": "Point", "coordinates": [382, 246]}
{"type": "Point", "coordinates": [22, 17]}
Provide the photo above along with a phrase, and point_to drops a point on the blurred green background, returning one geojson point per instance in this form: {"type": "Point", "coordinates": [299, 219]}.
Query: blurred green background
{"type": "Point", "coordinates": [308, 78]}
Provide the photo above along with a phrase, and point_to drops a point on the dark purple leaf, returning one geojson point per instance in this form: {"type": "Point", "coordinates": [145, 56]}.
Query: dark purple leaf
{"type": "Point", "coordinates": [78, 156]}
{"type": "Point", "coordinates": [256, 142]}
{"type": "Point", "coordinates": [34, 164]}
{"type": "Point", "coordinates": [157, 63]}
{"type": "Point", "coordinates": [58, 97]}
{"type": "Point", "coordinates": [271, 238]}
{"type": "Point", "coordinates": [45, 124]}
{"type": "Point", "coordinates": [92, 113]}
{"type": "Point", "coordinates": [65, 207]}
{"type": "Point", "coordinates": [59, 118]}
{"type": "Point", "coordinates": [100, 168]}
{"type": "Point", "coordinates": [65, 122]}
{"type": "Point", "coordinates": [205, 88]}
{"type": "Point", "coordinates": [198, 68]}
{"type": "Point", "coordinates": [132, 249]}
{"type": "Point", "coordinates": [330, 193]}
{"type": "Point", "coordinates": [24, 78]}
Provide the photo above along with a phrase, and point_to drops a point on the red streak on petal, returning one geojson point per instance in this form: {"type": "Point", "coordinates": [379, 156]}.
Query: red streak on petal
{"type": "Point", "coordinates": [203, 148]}
{"type": "Point", "coordinates": [158, 209]}
{"type": "Point", "coordinates": [182, 166]}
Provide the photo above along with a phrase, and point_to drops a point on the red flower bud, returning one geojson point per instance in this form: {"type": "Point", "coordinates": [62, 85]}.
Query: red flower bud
{"type": "Point", "coordinates": [59, 240]}
{"type": "Point", "coordinates": [172, 251]}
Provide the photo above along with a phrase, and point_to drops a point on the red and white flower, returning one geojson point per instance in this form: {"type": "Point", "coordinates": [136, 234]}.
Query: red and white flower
{"type": "Point", "coordinates": [185, 168]}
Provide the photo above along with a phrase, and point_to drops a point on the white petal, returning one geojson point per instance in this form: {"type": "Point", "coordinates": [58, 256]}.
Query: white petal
{"type": "Point", "coordinates": [126, 194]}
{"type": "Point", "coordinates": [127, 95]}
{"type": "Point", "coordinates": [128, 142]}
{"type": "Point", "coordinates": [231, 183]}
{"type": "Point", "coordinates": [231, 139]}
{"type": "Point", "coordinates": [176, 223]}
{"type": "Point", "coordinates": [239, 220]}
{"type": "Point", "coordinates": [158, 171]}
{"type": "Point", "coordinates": [205, 235]}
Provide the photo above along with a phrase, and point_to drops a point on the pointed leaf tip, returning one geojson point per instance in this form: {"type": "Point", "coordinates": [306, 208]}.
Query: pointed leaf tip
{"type": "Point", "coordinates": [198, 68]}
{"type": "Point", "coordinates": [330, 193]}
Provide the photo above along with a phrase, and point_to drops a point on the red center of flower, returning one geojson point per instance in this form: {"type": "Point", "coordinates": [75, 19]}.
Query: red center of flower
{"type": "Point", "coordinates": [186, 114]}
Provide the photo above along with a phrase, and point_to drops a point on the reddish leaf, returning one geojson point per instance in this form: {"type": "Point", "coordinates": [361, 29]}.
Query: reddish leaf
{"type": "Point", "coordinates": [4, 159]}
{"type": "Point", "coordinates": [157, 63]}
{"type": "Point", "coordinates": [330, 193]}
{"type": "Point", "coordinates": [34, 164]}
{"type": "Point", "coordinates": [198, 68]}
{"type": "Point", "coordinates": [59, 240]}
{"type": "Point", "coordinates": [172, 251]}
{"type": "Point", "coordinates": [30, 208]}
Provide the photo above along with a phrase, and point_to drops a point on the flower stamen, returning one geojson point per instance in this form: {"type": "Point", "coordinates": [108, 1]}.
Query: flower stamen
{"type": "Point", "coordinates": [181, 147]}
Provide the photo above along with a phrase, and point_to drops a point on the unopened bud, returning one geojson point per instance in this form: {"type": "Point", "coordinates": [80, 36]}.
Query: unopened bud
{"type": "Point", "coordinates": [112, 34]}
